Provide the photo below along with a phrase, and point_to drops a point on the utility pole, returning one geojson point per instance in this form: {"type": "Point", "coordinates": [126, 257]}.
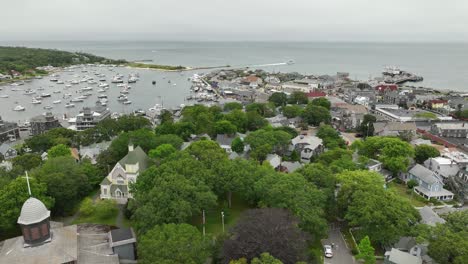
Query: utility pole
{"type": "Point", "coordinates": [222, 219]}
{"type": "Point", "coordinates": [203, 223]}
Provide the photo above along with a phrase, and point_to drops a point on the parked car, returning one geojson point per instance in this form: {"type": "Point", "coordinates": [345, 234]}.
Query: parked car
{"type": "Point", "coordinates": [328, 251]}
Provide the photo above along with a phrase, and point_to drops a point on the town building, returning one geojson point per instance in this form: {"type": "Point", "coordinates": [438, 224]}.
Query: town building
{"type": "Point", "coordinates": [89, 117]}
{"type": "Point", "coordinates": [116, 185]}
{"type": "Point", "coordinates": [348, 116]}
{"type": "Point", "coordinates": [396, 256]}
{"type": "Point", "coordinates": [8, 152]}
{"type": "Point", "coordinates": [455, 130]}
{"type": "Point", "coordinates": [394, 128]}
{"type": "Point", "coordinates": [9, 131]}
{"type": "Point", "coordinates": [430, 186]}
{"type": "Point", "coordinates": [92, 152]}
{"type": "Point", "coordinates": [442, 166]}
{"type": "Point", "coordinates": [43, 123]}
{"type": "Point", "coordinates": [307, 147]}
{"type": "Point", "coordinates": [395, 113]}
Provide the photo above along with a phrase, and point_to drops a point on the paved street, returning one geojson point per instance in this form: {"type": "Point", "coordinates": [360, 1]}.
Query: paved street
{"type": "Point", "coordinates": [341, 254]}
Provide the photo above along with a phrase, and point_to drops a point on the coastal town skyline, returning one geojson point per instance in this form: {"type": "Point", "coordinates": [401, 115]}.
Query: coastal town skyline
{"type": "Point", "coordinates": [258, 20]}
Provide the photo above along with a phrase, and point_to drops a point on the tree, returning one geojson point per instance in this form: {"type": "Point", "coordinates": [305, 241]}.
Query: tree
{"type": "Point", "coordinates": [291, 111]}
{"type": "Point", "coordinates": [424, 152]}
{"type": "Point", "coordinates": [270, 230]}
{"type": "Point", "coordinates": [338, 160]}
{"type": "Point", "coordinates": [314, 115]}
{"type": "Point", "coordinates": [331, 138]}
{"type": "Point", "coordinates": [255, 121]}
{"type": "Point", "coordinates": [27, 161]}
{"type": "Point", "coordinates": [322, 177]}
{"type": "Point", "coordinates": [58, 151]}
{"type": "Point", "coordinates": [87, 207]}
{"type": "Point", "coordinates": [367, 125]}
{"type": "Point", "coordinates": [298, 98]}
{"type": "Point", "coordinates": [278, 98]}
{"type": "Point", "coordinates": [238, 118]}
{"type": "Point", "coordinates": [393, 152]}
{"type": "Point", "coordinates": [228, 107]}
{"type": "Point", "coordinates": [366, 251]}
{"type": "Point", "coordinates": [161, 152]}
{"type": "Point", "coordinates": [322, 101]}
{"type": "Point", "coordinates": [447, 242]}
{"type": "Point", "coordinates": [224, 127]}
{"type": "Point", "coordinates": [175, 243]}
{"type": "Point", "coordinates": [66, 182]}
{"type": "Point", "coordinates": [263, 142]}
{"type": "Point", "coordinates": [265, 258]}
{"type": "Point", "coordinates": [381, 214]}
{"type": "Point", "coordinates": [14, 194]}
{"type": "Point", "coordinates": [294, 192]}
{"type": "Point", "coordinates": [170, 139]}
{"type": "Point", "coordinates": [91, 171]}
{"type": "Point", "coordinates": [237, 145]}
{"type": "Point", "coordinates": [170, 195]}
{"type": "Point", "coordinates": [265, 110]}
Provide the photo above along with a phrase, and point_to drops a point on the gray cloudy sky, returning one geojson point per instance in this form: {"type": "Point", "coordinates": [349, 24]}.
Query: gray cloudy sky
{"type": "Point", "coordinates": [299, 20]}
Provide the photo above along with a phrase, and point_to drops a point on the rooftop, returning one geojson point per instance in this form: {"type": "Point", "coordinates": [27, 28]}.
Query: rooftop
{"type": "Point", "coordinates": [424, 174]}
{"type": "Point", "coordinates": [429, 217]}
{"type": "Point", "coordinates": [400, 257]}
{"type": "Point", "coordinates": [134, 157]}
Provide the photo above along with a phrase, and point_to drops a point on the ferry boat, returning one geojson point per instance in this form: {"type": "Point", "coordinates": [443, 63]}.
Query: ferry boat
{"type": "Point", "coordinates": [19, 108]}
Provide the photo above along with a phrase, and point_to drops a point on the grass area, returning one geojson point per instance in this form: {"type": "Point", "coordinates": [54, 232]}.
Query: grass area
{"type": "Point", "coordinates": [348, 237]}
{"type": "Point", "coordinates": [213, 217]}
{"type": "Point", "coordinates": [98, 218]}
{"type": "Point", "coordinates": [156, 67]}
{"type": "Point", "coordinates": [403, 191]}
{"type": "Point", "coordinates": [358, 235]}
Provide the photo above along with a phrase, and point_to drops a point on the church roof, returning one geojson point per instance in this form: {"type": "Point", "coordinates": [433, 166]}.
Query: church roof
{"type": "Point", "coordinates": [33, 211]}
{"type": "Point", "coordinates": [136, 156]}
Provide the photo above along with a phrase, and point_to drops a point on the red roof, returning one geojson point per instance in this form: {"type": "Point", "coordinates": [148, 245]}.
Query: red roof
{"type": "Point", "coordinates": [383, 87]}
{"type": "Point", "coordinates": [316, 94]}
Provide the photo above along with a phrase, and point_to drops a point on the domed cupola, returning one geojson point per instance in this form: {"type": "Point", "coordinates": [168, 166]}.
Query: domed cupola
{"type": "Point", "coordinates": [34, 222]}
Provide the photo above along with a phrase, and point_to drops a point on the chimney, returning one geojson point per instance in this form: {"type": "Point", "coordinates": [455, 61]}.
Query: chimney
{"type": "Point", "coordinates": [130, 147]}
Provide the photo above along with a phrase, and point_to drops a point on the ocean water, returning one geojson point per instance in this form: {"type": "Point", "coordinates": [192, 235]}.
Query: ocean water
{"type": "Point", "coordinates": [443, 65]}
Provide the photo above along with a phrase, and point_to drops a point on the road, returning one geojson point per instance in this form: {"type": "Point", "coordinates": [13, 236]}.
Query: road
{"type": "Point", "coordinates": [341, 254]}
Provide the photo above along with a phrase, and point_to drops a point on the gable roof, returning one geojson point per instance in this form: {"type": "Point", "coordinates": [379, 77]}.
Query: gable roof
{"type": "Point", "coordinates": [312, 141]}
{"type": "Point", "coordinates": [136, 156]}
{"type": "Point", "coordinates": [400, 257]}
{"type": "Point", "coordinates": [424, 174]}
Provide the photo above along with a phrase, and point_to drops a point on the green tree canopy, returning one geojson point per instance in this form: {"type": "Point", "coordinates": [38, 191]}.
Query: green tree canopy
{"type": "Point", "coordinates": [331, 137]}
{"type": "Point", "coordinates": [314, 114]}
{"type": "Point", "coordinates": [27, 161]}
{"type": "Point", "coordinates": [175, 243]}
{"type": "Point", "coordinates": [322, 101]}
{"type": "Point", "coordinates": [228, 107]}
{"type": "Point", "coordinates": [162, 151]}
{"type": "Point", "coordinates": [278, 98]}
{"type": "Point", "coordinates": [59, 151]}
{"type": "Point", "coordinates": [367, 125]}
{"type": "Point", "coordinates": [239, 118]}
{"type": "Point", "coordinates": [423, 152]}
{"type": "Point", "coordinates": [224, 127]}
{"type": "Point", "coordinates": [291, 111]}
{"type": "Point", "coordinates": [298, 98]}
{"type": "Point", "coordinates": [237, 145]}
{"type": "Point", "coordinates": [366, 251]}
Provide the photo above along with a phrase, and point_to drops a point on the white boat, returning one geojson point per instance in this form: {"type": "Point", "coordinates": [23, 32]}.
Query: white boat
{"type": "Point", "coordinates": [88, 94]}
{"type": "Point", "coordinates": [53, 79]}
{"type": "Point", "coordinates": [132, 79]}
{"type": "Point", "coordinates": [45, 95]}
{"type": "Point", "coordinates": [29, 92]}
{"type": "Point", "coordinates": [57, 102]}
{"type": "Point", "coordinates": [102, 96]}
{"type": "Point", "coordinates": [102, 79]}
{"type": "Point", "coordinates": [47, 107]}
{"type": "Point", "coordinates": [57, 91]}
{"type": "Point", "coordinates": [124, 91]}
{"type": "Point", "coordinates": [121, 85]}
{"type": "Point", "coordinates": [101, 91]}
{"type": "Point", "coordinates": [122, 98]}
{"type": "Point", "coordinates": [127, 102]}
{"type": "Point", "coordinates": [60, 82]}
{"type": "Point", "coordinates": [19, 108]}
{"type": "Point", "coordinates": [35, 101]}
{"type": "Point", "coordinates": [76, 100]}
{"type": "Point", "coordinates": [4, 96]}
{"type": "Point", "coordinates": [92, 82]}
{"type": "Point", "coordinates": [75, 82]}
{"type": "Point", "coordinates": [68, 85]}
{"type": "Point", "coordinates": [69, 105]}
{"type": "Point", "coordinates": [116, 80]}
{"type": "Point", "coordinates": [83, 97]}
{"type": "Point", "coordinates": [87, 88]}
{"type": "Point", "coordinates": [103, 85]}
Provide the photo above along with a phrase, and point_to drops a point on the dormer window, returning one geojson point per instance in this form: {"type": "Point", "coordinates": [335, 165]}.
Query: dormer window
{"type": "Point", "coordinates": [120, 179]}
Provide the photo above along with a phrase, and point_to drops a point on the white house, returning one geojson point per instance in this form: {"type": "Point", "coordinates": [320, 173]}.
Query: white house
{"type": "Point", "coordinates": [430, 185]}
{"type": "Point", "coordinates": [442, 166]}
{"type": "Point", "coordinates": [116, 184]}
{"type": "Point", "coordinates": [307, 146]}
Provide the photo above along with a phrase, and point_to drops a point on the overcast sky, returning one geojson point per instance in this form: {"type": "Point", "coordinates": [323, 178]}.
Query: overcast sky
{"type": "Point", "coordinates": [256, 20]}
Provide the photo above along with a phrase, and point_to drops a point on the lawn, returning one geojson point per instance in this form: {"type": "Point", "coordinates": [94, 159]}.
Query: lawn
{"type": "Point", "coordinates": [213, 217]}
{"type": "Point", "coordinates": [403, 191]}
{"type": "Point", "coordinates": [96, 217]}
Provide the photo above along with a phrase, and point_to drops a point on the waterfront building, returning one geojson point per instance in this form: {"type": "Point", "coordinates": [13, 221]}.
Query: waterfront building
{"type": "Point", "coordinates": [43, 123]}
{"type": "Point", "coordinates": [9, 131]}
{"type": "Point", "coordinates": [89, 117]}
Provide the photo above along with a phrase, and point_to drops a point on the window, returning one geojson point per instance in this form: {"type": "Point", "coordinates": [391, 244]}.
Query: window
{"type": "Point", "coordinates": [120, 179]}
{"type": "Point", "coordinates": [104, 191]}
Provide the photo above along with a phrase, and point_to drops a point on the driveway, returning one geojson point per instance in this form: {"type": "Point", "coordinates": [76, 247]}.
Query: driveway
{"type": "Point", "coordinates": [341, 253]}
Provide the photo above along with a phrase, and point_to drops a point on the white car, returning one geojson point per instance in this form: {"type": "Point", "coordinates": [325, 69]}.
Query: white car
{"type": "Point", "coordinates": [328, 251]}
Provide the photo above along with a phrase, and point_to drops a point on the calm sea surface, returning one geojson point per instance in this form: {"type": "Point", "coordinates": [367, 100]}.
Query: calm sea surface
{"type": "Point", "coordinates": [443, 66]}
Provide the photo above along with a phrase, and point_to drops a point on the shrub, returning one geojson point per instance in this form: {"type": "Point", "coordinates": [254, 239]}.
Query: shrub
{"type": "Point", "coordinates": [412, 183]}
{"type": "Point", "coordinates": [106, 208]}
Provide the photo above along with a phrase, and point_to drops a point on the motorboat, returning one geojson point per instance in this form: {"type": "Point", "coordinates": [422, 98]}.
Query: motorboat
{"type": "Point", "coordinates": [57, 91]}
{"type": "Point", "coordinates": [101, 91]}
{"type": "Point", "coordinates": [132, 79]}
{"type": "Point", "coordinates": [122, 98]}
{"type": "Point", "coordinates": [127, 102]}
{"type": "Point", "coordinates": [57, 102]}
{"type": "Point", "coordinates": [121, 85]}
{"type": "Point", "coordinates": [60, 82]}
{"type": "Point", "coordinates": [83, 97]}
{"type": "Point", "coordinates": [47, 107]}
{"type": "Point", "coordinates": [92, 82]}
{"type": "Point", "coordinates": [19, 108]}
{"type": "Point", "coordinates": [103, 85]}
{"type": "Point", "coordinates": [102, 96]}
{"type": "Point", "coordinates": [67, 95]}
{"type": "Point", "coordinates": [35, 101]}
{"type": "Point", "coordinates": [29, 92]}
{"type": "Point", "coordinates": [68, 86]}
{"type": "Point", "coordinates": [124, 91]}
{"type": "Point", "coordinates": [117, 79]}
{"type": "Point", "coordinates": [43, 95]}
{"type": "Point", "coordinates": [69, 105]}
{"type": "Point", "coordinates": [87, 88]}
{"type": "Point", "coordinates": [53, 79]}
{"type": "Point", "coordinates": [75, 82]}
{"type": "Point", "coordinates": [76, 100]}
{"type": "Point", "coordinates": [88, 94]}
{"type": "Point", "coordinates": [4, 96]}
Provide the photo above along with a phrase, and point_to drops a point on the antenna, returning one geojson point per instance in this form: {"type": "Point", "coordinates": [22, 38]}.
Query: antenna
{"type": "Point", "coordinates": [27, 180]}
